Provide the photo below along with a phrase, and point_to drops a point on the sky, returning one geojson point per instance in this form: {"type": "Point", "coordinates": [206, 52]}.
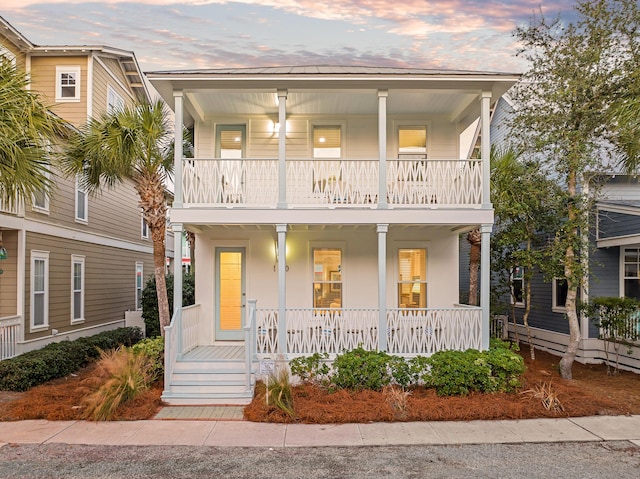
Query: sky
{"type": "Point", "coordinates": [192, 34]}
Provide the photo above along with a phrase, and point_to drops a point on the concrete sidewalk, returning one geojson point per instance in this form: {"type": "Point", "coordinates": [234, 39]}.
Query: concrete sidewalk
{"type": "Point", "coordinates": [225, 433]}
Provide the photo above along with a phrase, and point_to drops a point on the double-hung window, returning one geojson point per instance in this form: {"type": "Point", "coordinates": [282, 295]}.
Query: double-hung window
{"type": "Point", "coordinates": [39, 289]}
{"type": "Point", "coordinates": [559, 294]}
{"type": "Point", "coordinates": [77, 288]}
{"type": "Point", "coordinates": [67, 83]}
{"type": "Point", "coordinates": [412, 142]}
{"type": "Point", "coordinates": [114, 101]}
{"type": "Point", "coordinates": [327, 141]}
{"type": "Point", "coordinates": [82, 203]}
{"type": "Point", "coordinates": [327, 278]}
{"type": "Point", "coordinates": [631, 277]}
{"type": "Point", "coordinates": [139, 285]}
{"type": "Point", "coordinates": [41, 197]}
{"type": "Point", "coordinates": [517, 286]}
{"type": "Point", "coordinates": [412, 278]}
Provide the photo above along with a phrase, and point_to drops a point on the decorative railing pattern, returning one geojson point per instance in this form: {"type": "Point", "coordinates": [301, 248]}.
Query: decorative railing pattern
{"type": "Point", "coordinates": [190, 327]}
{"type": "Point", "coordinates": [409, 331]}
{"type": "Point", "coordinates": [331, 183]}
{"type": "Point", "coordinates": [426, 331]}
{"type": "Point", "coordinates": [9, 335]}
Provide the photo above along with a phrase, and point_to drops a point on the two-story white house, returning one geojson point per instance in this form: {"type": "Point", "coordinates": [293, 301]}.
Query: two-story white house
{"type": "Point", "coordinates": [327, 203]}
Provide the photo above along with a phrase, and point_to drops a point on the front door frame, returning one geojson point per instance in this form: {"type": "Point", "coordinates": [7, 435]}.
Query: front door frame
{"type": "Point", "coordinates": [234, 335]}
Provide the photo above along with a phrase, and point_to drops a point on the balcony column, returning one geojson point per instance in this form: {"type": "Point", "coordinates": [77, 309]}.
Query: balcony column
{"type": "Point", "coordinates": [177, 151]}
{"type": "Point", "coordinates": [281, 229]}
{"type": "Point", "coordinates": [177, 280]}
{"type": "Point", "coordinates": [485, 147]}
{"type": "Point", "coordinates": [382, 230]}
{"type": "Point", "coordinates": [282, 150]}
{"type": "Point", "coordinates": [485, 280]}
{"type": "Point", "coordinates": [382, 149]}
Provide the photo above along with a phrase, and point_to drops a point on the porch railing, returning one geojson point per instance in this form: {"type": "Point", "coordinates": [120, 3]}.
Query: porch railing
{"type": "Point", "coordinates": [190, 327]}
{"type": "Point", "coordinates": [9, 336]}
{"type": "Point", "coordinates": [331, 183]}
{"type": "Point", "coordinates": [171, 342]}
{"type": "Point", "coordinates": [409, 331]}
{"type": "Point", "coordinates": [13, 208]}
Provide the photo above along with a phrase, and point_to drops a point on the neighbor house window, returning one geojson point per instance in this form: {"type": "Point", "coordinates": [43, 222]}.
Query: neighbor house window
{"type": "Point", "coordinates": [632, 273]}
{"type": "Point", "coordinates": [114, 101]}
{"type": "Point", "coordinates": [41, 198]}
{"type": "Point", "coordinates": [144, 229]}
{"type": "Point", "coordinates": [39, 289]}
{"type": "Point", "coordinates": [139, 285]}
{"type": "Point", "coordinates": [77, 288]}
{"type": "Point", "coordinates": [559, 290]}
{"type": "Point", "coordinates": [82, 202]}
{"type": "Point", "coordinates": [412, 142]}
{"type": "Point", "coordinates": [327, 141]}
{"type": "Point", "coordinates": [327, 278]}
{"type": "Point", "coordinates": [517, 286]}
{"type": "Point", "coordinates": [412, 278]}
{"type": "Point", "coordinates": [67, 83]}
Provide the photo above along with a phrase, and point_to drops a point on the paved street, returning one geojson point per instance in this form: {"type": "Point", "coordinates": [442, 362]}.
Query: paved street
{"type": "Point", "coordinates": [619, 459]}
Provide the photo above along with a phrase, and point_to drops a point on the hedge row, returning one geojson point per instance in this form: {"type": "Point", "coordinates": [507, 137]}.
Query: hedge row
{"type": "Point", "coordinates": [57, 360]}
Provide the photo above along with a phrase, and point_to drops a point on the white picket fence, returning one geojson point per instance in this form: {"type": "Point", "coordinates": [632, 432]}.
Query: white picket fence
{"type": "Point", "coordinates": [9, 336]}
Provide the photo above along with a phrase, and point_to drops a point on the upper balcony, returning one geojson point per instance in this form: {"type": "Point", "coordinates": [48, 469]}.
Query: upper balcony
{"type": "Point", "coordinates": [14, 208]}
{"type": "Point", "coordinates": [312, 183]}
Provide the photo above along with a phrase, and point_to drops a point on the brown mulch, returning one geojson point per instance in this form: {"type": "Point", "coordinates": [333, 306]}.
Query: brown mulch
{"type": "Point", "coordinates": [591, 392]}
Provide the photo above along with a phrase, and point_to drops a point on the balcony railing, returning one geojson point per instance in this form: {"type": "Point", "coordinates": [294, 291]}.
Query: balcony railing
{"type": "Point", "coordinates": [253, 183]}
{"type": "Point", "coordinates": [14, 208]}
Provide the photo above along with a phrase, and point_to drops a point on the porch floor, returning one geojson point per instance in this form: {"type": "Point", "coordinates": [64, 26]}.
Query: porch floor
{"type": "Point", "coordinates": [215, 352]}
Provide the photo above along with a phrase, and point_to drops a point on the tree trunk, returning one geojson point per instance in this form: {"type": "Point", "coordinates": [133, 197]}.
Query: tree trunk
{"type": "Point", "coordinates": [527, 305]}
{"type": "Point", "coordinates": [566, 363]}
{"type": "Point", "coordinates": [475, 240]}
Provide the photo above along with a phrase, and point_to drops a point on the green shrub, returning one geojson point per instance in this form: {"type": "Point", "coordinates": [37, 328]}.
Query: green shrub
{"type": "Point", "coordinates": [152, 348]}
{"type": "Point", "coordinates": [311, 368]}
{"type": "Point", "coordinates": [506, 369]}
{"type": "Point", "coordinates": [360, 369]}
{"type": "Point", "coordinates": [57, 360]}
{"type": "Point", "coordinates": [150, 312]}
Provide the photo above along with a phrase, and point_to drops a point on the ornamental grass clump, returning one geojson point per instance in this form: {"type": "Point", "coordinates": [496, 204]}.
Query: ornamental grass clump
{"type": "Point", "coordinates": [278, 391]}
{"type": "Point", "coordinates": [126, 374]}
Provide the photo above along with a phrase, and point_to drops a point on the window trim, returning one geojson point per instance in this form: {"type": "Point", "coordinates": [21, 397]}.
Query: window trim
{"type": "Point", "coordinates": [37, 255]}
{"type": "Point", "coordinates": [144, 228]}
{"type": "Point", "coordinates": [78, 259]}
{"type": "Point", "coordinates": [78, 219]}
{"type": "Point", "coordinates": [60, 70]}
{"type": "Point", "coordinates": [418, 122]}
{"type": "Point", "coordinates": [622, 273]}
{"type": "Point", "coordinates": [554, 289]}
{"type": "Point", "coordinates": [139, 267]}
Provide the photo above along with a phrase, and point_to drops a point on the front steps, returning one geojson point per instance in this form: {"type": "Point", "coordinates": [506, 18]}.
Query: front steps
{"type": "Point", "coordinates": [209, 382]}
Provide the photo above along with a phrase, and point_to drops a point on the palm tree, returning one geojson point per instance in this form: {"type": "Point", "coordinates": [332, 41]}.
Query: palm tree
{"type": "Point", "coordinates": [131, 144]}
{"type": "Point", "coordinates": [28, 131]}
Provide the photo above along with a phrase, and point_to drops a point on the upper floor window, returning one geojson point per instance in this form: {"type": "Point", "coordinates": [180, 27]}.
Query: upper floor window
{"type": "Point", "coordinates": [67, 83]}
{"type": "Point", "coordinates": [114, 101]}
{"type": "Point", "coordinates": [517, 286]}
{"type": "Point", "coordinates": [559, 293]}
{"type": "Point", "coordinates": [145, 229]}
{"type": "Point", "coordinates": [39, 289]}
{"type": "Point", "coordinates": [327, 141]}
{"type": "Point", "coordinates": [230, 141]}
{"type": "Point", "coordinates": [412, 142]}
{"type": "Point", "coordinates": [632, 273]}
{"type": "Point", "coordinates": [327, 278]}
{"type": "Point", "coordinates": [412, 278]}
{"type": "Point", "coordinates": [82, 203]}
{"type": "Point", "coordinates": [41, 198]}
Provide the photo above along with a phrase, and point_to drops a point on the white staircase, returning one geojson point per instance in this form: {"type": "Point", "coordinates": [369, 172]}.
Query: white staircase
{"type": "Point", "coordinates": [200, 379]}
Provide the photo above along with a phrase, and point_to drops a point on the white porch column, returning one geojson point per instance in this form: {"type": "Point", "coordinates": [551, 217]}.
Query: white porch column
{"type": "Point", "coordinates": [485, 147]}
{"type": "Point", "coordinates": [382, 230]}
{"type": "Point", "coordinates": [485, 282]}
{"type": "Point", "coordinates": [382, 149]}
{"type": "Point", "coordinates": [281, 229]}
{"type": "Point", "coordinates": [282, 150]}
{"type": "Point", "coordinates": [177, 150]}
{"type": "Point", "coordinates": [177, 266]}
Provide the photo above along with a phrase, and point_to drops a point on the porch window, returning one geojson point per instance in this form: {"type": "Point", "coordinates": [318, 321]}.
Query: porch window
{"type": "Point", "coordinates": [412, 278]}
{"type": "Point", "coordinates": [327, 141]}
{"type": "Point", "coordinates": [327, 278]}
{"type": "Point", "coordinates": [230, 141]}
{"type": "Point", "coordinates": [412, 142]}
{"type": "Point", "coordinates": [632, 273]}
{"type": "Point", "coordinates": [517, 286]}
{"type": "Point", "coordinates": [559, 293]}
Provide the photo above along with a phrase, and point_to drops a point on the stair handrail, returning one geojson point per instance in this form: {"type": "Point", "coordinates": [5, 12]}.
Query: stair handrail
{"type": "Point", "coordinates": [170, 348]}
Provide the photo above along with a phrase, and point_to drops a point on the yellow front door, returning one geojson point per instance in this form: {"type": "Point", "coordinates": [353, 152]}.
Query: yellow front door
{"type": "Point", "coordinates": [230, 293]}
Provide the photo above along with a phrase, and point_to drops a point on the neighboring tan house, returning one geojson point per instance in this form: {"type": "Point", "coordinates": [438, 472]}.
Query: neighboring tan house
{"type": "Point", "coordinates": [613, 264]}
{"type": "Point", "coordinates": [75, 263]}
{"type": "Point", "coordinates": [326, 204]}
